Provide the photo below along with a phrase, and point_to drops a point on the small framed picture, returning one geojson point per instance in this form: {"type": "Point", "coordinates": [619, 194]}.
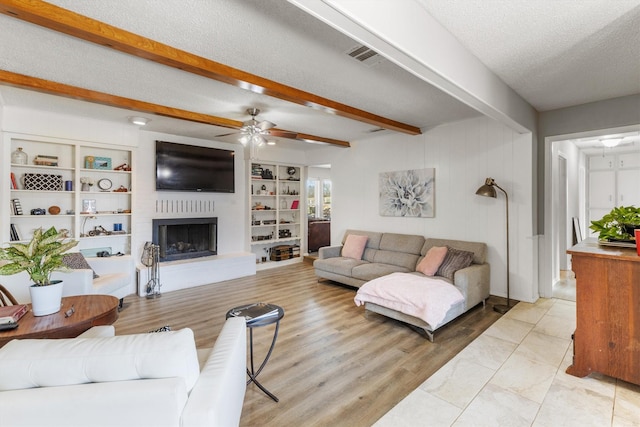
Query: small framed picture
{"type": "Point", "coordinates": [88, 206]}
{"type": "Point", "coordinates": [102, 163]}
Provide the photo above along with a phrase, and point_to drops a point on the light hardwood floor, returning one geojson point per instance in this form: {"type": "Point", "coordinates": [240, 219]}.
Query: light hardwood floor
{"type": "Point", "coordinates": [333, 364]}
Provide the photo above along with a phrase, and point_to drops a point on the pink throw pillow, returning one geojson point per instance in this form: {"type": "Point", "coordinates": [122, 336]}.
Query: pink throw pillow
{"type": "Point", "coordinates": [432, 260]}
{"type": "Point", "coordinates": [354, 246]}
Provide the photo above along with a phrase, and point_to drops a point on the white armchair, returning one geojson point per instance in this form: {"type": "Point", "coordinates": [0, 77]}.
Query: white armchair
{"type": "Point", "coordinates": [146, 379]}
{"type": "Point", "coordinates": [116, 277]}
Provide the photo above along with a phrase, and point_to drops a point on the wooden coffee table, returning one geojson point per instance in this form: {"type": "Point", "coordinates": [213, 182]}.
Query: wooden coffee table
{"type": "Point", "coordinates": [88, 311]}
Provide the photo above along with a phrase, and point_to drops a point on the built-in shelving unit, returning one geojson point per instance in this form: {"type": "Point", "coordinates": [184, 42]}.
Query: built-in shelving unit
{"type": "Point", "coordinates": [98, 214]}
{"type": "Point", "coordinates": [276, 206]}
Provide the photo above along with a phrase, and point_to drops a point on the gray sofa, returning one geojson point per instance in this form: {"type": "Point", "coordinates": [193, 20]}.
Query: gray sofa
{"type": "Point", "coordinates": [387, 253]}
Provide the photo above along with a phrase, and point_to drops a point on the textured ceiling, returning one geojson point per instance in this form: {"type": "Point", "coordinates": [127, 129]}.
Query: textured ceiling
{"type": "Point", "coordinates": [554, 53]}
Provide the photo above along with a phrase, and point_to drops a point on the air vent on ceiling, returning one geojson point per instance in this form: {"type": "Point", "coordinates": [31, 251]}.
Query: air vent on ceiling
{"type": "Point", "coordinates": [367, 56]}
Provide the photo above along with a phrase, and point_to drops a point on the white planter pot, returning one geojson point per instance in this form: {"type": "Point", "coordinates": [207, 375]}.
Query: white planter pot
{"type": "Point", "coordinates": [46, 299]}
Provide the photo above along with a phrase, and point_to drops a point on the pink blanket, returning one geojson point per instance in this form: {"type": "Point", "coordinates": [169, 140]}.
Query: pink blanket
{"type": "Point", "coordinates": [426, 298]}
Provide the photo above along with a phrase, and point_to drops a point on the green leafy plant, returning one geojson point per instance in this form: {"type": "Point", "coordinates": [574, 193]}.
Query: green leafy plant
{"type": "Point", "coordinates": [39, 258]}
{"type": "Point", "coordinates": [618, 224]}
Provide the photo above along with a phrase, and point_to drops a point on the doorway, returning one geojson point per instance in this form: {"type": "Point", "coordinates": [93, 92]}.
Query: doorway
{"type": "Point", "coordinates": [319, 190]}
{"type": "Point", "coordinates": [566, 166]}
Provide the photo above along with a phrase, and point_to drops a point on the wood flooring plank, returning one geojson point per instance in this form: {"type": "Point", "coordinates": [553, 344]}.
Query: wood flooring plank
{"type": "Point", "coordinates": [333, 363]}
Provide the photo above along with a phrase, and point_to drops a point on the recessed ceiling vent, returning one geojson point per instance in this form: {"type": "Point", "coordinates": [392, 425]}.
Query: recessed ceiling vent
{"type": "Point", "coordinates": [367, 56]}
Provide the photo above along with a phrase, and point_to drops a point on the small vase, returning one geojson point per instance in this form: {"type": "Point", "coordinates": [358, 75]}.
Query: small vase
{"type": "Point", "coordinates": [85, 187]}
{"type": "Point", "coordinates": [46, 299]}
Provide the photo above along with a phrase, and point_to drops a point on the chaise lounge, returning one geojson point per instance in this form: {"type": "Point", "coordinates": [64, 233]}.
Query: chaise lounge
{"type": "Point", "coordinates": [385, 254]}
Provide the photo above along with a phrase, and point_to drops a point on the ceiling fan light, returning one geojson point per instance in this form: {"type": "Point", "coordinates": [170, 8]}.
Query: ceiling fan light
{"type": "Point", "coordinates": [245, 139]}
{"type": "Point", "coordinates": [610, 143]}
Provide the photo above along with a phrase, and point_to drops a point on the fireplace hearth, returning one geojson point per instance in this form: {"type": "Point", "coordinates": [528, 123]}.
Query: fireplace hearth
{"type": "Point", "coordinates": [185, 238]}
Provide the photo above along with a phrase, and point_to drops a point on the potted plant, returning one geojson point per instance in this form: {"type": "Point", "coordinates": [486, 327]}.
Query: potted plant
{"type": "Point", "coordinates": [618, 224]}
{"type": "Point", "coordinates": [39, 258]}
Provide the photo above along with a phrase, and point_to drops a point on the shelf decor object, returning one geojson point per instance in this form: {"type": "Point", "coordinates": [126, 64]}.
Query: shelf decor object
{"type": "Point", "coordinates": [19, 157]}
{"type": "Point", "coordinates": [88, 206]}
{"type": "Point", "coordinates": [488, 190]}
{"type": "Point", "coordinates": [103, 163]}
{"type": "Point", "coordinates": [42, 182]}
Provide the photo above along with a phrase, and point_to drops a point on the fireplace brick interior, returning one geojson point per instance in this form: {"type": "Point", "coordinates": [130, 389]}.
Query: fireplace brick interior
{"type": "Point", "coordinates": [184, 238]}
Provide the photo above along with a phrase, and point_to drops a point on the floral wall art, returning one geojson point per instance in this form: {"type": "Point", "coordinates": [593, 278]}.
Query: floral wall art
{"type": "Point", "coordinates": [408, 193]}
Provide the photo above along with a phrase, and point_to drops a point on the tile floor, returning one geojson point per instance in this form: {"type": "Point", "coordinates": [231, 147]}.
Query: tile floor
{"type": "Point", "coordinates": [514, 375]}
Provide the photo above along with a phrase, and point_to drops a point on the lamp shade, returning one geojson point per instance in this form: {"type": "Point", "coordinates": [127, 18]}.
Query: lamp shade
{"type": "Point", "coordinates": [488, 189]}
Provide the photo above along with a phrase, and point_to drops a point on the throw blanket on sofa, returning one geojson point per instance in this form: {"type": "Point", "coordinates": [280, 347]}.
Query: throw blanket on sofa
{"type": "Point", "coordinates": [426, 298]}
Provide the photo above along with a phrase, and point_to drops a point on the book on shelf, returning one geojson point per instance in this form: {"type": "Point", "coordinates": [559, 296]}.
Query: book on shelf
{"type": "Point", "coordinates": [14, 183]}
{"type": "Point", "coordinates": [255, 312]}
{"type": "Point", "coordinates": [12, 313]}
{"type": "Point", "coordinates": [13, 233]}
{"type": "Point", "coordinates": [294, 204]}
{"type": "Point", "coordinates": [17, 207]}
{"type": "Point", "coordinates": [43, 160]}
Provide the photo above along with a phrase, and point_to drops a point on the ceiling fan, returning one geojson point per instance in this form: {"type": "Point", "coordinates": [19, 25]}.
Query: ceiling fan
{"type": "Point", "coordinates": [256, 132]}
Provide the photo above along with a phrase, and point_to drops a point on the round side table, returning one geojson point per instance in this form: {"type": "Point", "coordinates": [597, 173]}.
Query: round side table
{"type": "Point", "coordinates": [257, 315]}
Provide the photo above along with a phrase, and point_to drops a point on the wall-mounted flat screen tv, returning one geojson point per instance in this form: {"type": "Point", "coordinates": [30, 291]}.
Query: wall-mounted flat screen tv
{"type": "Point", "coordinates": [182, 167]}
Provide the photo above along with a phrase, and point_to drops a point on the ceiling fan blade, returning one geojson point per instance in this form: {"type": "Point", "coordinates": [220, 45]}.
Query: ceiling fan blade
{"type": "Point", "coordinates": [225, 134]}
{"type": "Point", "coordinates": [265, 125]}
{"type": "Point", "coordinates": [283, 134]}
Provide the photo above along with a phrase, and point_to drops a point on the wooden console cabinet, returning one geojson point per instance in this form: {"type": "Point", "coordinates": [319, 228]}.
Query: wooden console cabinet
{"type": "Point", "coordinates": [607, 336]}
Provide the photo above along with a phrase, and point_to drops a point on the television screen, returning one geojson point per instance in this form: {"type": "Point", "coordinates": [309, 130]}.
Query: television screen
{"type": "Point", "coordinates": [182, 167]}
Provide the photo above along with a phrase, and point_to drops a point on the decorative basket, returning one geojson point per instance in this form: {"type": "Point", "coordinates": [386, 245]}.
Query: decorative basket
{"type": "Point", "coordinates": [42, 182]}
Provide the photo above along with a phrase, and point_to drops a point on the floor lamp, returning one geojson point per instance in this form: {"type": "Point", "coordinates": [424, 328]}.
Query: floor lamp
{"type": "Point", "coordinates": [489, 190]}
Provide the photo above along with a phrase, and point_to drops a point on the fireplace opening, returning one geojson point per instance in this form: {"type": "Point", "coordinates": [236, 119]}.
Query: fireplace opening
{"type": "Point", "coordinates": [184, 238]}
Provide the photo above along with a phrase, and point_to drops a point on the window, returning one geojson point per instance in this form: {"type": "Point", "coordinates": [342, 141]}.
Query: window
{"type": "Point", "coordinates": [326, 199]}
{"type": "Point", "coordinates": [312, 186]}
{"type": "Point", "coordinates": [319, 198]}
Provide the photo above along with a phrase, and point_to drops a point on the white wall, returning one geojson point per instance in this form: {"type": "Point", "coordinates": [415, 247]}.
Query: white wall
{"type": "Point", "coordinates": [463, 154]}
{"type": "Point", "coordinates": [319, 173]}
{"type": "Point", "coordinates": [228, 208]}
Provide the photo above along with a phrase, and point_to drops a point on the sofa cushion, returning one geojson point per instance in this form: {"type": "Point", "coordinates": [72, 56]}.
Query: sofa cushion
{"type": "Point", "coordinates": [153, 402]}
{"type": "Point", "coordinates": [370, 271]}
{"type": "Point", "coordinates": [339, 265]}
{"type": "Point", "coordinates": [107, 284]}
{"type": "Point", "coordinates": [407, 243]}
{"type": "Point", "coordinates": [374, 237]}
{"type": "Point", "coordinates": [432, 260]}
{"type": "Point", "coordinates": [58, 362]}
{"type": "Point", "coordinates": [401, 259]}
{"type": "Point", "coordinates": [354, 246]}
{"type": "Point", "coordinates": [454, 261]}
{"type": "Point", "coordinates": [479, 249]}
{"type": "Point", "coordinates": [77, 261]}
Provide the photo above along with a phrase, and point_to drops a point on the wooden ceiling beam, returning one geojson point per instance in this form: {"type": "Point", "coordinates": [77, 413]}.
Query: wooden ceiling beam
{"type": "Point", "coordinates": [65, 21]}
{"type": "Point", "coordinates": [53, 88]}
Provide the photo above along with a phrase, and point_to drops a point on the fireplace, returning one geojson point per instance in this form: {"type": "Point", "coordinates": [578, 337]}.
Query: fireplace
{"type": "Point", "coordinates": [184, 238]}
